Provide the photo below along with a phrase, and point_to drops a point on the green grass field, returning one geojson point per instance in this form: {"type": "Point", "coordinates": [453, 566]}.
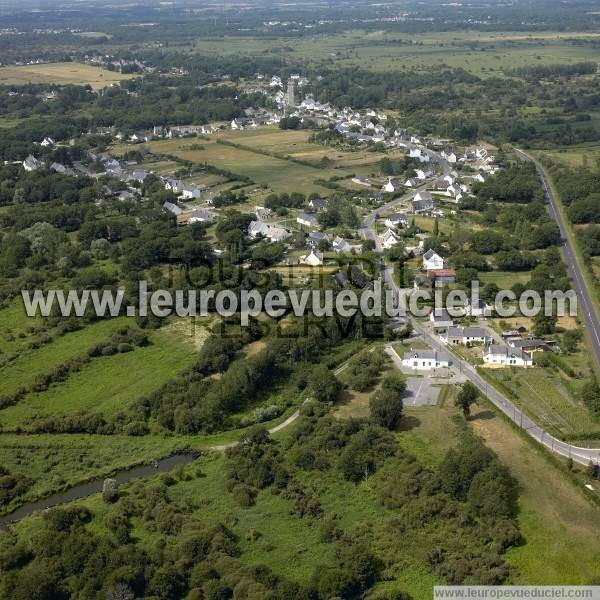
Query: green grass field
{"type": "Point", "coordinates": [504, 279]}
{"type": "Point", "coordinates": [277, 170]}
{"type": "Point", "coordinates": [30, 363]}
{"type": "Point", "coordinates": [62, 461]}
{"type": "Point", "coordinates": [70, 73]}
{"type": "Point", "coordinates": [480, 53]}
{"type": "Point", "coordinates": [106, 384]}
{"type": "Point", "coordinates": [546, 396]}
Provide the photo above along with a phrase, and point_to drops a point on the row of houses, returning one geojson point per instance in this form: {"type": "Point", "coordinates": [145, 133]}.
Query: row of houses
{"type": "Point", "coordinates": [493, 355]}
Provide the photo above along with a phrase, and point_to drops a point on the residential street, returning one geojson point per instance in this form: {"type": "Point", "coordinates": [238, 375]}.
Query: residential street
{"type": "Point", "coordinates": [579, 455]}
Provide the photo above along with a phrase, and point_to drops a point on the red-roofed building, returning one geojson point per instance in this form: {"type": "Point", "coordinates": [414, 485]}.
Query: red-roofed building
{"type": "Point", "coordinates": [442, 275]}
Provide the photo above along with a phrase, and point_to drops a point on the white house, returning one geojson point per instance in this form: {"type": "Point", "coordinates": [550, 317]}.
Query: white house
{"type": "Point", "coordinates": [307, 219]}
{"type": "Point", "coordinates": [191, 192]}
{"type": "Point", "coordinates": [341, 245]}
{"type": "Point", "coordinates": [317, 204]}
{"type": "Point", "coordinates": [396, 221]}
{"type": "Point", "coordinates": [441, 320]}
{"type": "Point", "coordinates": [31, 163]}
{"type": "Point", "coordinates": [314, 259]}
{"type": "Point", "coordinates": [389, 239]}
{"type": "Point", "coordinates": [425, 360]}
{"type": "Point", "coordinates": [412, 182]}
{"type": "Point", "coordinates": [432, 261]}
{"type": "Point", "coordinates": [477, 309]}
{"type": "Point", "coordinates": [172, 208]}
{"type": "Point", "coordinates": [423, 196]}
{"type": "Point", "coordinates": [504, 356]}
{"type": "Point", "coordinates": [271, 232]}
{"type": "Point", "coordinates": [47, 141]}
{"type": "Point", "coordinates": [237, 125]}
{"type": "Point", "coordinates": [466, 335]}
{"type": "Point", "coordinates": [201, 215]}
{"type": "Point", "coordinates": [391, 186]}
{"type": "Point", "coordinates": [422, 202]}
{"type": "Point", "coordinates": [262, 213]}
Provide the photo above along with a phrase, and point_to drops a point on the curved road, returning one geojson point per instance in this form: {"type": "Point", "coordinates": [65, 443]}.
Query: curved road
{"type": "Point", "coordinates": [587, 310]}
{"type": "Point", "coordinates": [580, 455]}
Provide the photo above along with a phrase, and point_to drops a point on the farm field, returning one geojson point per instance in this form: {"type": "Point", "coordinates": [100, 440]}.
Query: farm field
{"type": "Point", "coordinates": [587, 157]}
{"type": "Point", "coordinates": [504, 279]}
{"type": "Point", "coordinates": [70, 73]}
{"type": "Point", "coordinates": [264, 155]}
{"type": "Point", "coordinates": [548, 398]}
{"type": "Point", "coordinates": [557, 526]}
{"type": "Point", "coordinates": [480, 53]}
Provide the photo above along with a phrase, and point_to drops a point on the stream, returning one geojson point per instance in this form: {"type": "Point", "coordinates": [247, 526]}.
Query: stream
{"type": "Point", "coordinates": [82, 490]}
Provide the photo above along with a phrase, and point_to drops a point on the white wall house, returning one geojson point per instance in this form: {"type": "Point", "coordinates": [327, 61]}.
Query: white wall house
{"type": "Point", "coordinates": [441, 320]}
{"type": "Point", "coordinates": [31, 163]}
{"type": "Point", "coordinates": [477, 309]}
{"type": "Point", "coordinates": [391, 186]}
{"type": "Point", "coordinates": [425, 360]}
{"type": "Point", "coordinates": [271, 232]}
{"type": "Point", "coordinates": [389, 239]}
{"type": "Point", "coordinates": [504, 356]}
{"type": "Point", "coordinates": [307, 219]}
{"type": "Point", "coordinates": [396, 221]}
{"type": "Point", "coordinates": [432, 261]}
{"type": "Point", "coordinates": [314, 259]}
{"type": "Point", "coordinates": [466, 335]}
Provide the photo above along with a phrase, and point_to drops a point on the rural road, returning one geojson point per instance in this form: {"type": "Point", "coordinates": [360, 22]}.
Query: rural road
{"type": "Point", "coordinates": [367, 229]}
{"type": "Point", "coordinates": [586, 308]}
{"type": "Point", "coordinates": [580, 455]}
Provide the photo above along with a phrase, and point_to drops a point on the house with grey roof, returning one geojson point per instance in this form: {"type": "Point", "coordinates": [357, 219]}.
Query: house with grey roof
{"type": "Point", "coordinates": [315, 237]}
{"type": "Point", "coordinates": [341, 245]}
{"type": "Point", "coordinates": [440, 319]}
{"type": "Point", "coordinates": [201, 215]}
{"type": "Point", "coordinates": [466, 335]}
{"type": "Point", "coordinates": [31, 163]}
{"type": "Point", "coordinates": [530, 344]}
{"type": "Point", "coordinates": [172, 208]}
{"type": "Point", "coordinates": [317, 204]}
{"type": "Point", "coordinates": [307, 219]}
{"type": "Point", "coordinates": [272, 232]}
{"type": "Point", "coordinates": [503, 356]}
{"type": "Point", "coordinates": [425, 360]}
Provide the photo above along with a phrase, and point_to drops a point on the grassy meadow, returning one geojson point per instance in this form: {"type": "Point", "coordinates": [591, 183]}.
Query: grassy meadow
{"type": "Point", "coordinates": [69, 73]}
{"type": "Point", "coordinates": [549, 398]}
{"type": "Point", "coordinates": [280, 160]}
{"type": "Point", "coordinates": [481, 53]}
{"type": "Point", "coordinates": [107, 384]}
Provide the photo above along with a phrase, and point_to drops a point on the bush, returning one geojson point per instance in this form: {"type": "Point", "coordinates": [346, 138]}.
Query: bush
{"type": "Point", "coordinates": [244, 495]}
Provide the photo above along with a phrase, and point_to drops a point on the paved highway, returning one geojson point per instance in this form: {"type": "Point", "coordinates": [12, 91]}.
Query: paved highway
{"type": "Point", "coordinates": [585, 307]}
{"type": "Point", "coordinates": [577, 454]}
